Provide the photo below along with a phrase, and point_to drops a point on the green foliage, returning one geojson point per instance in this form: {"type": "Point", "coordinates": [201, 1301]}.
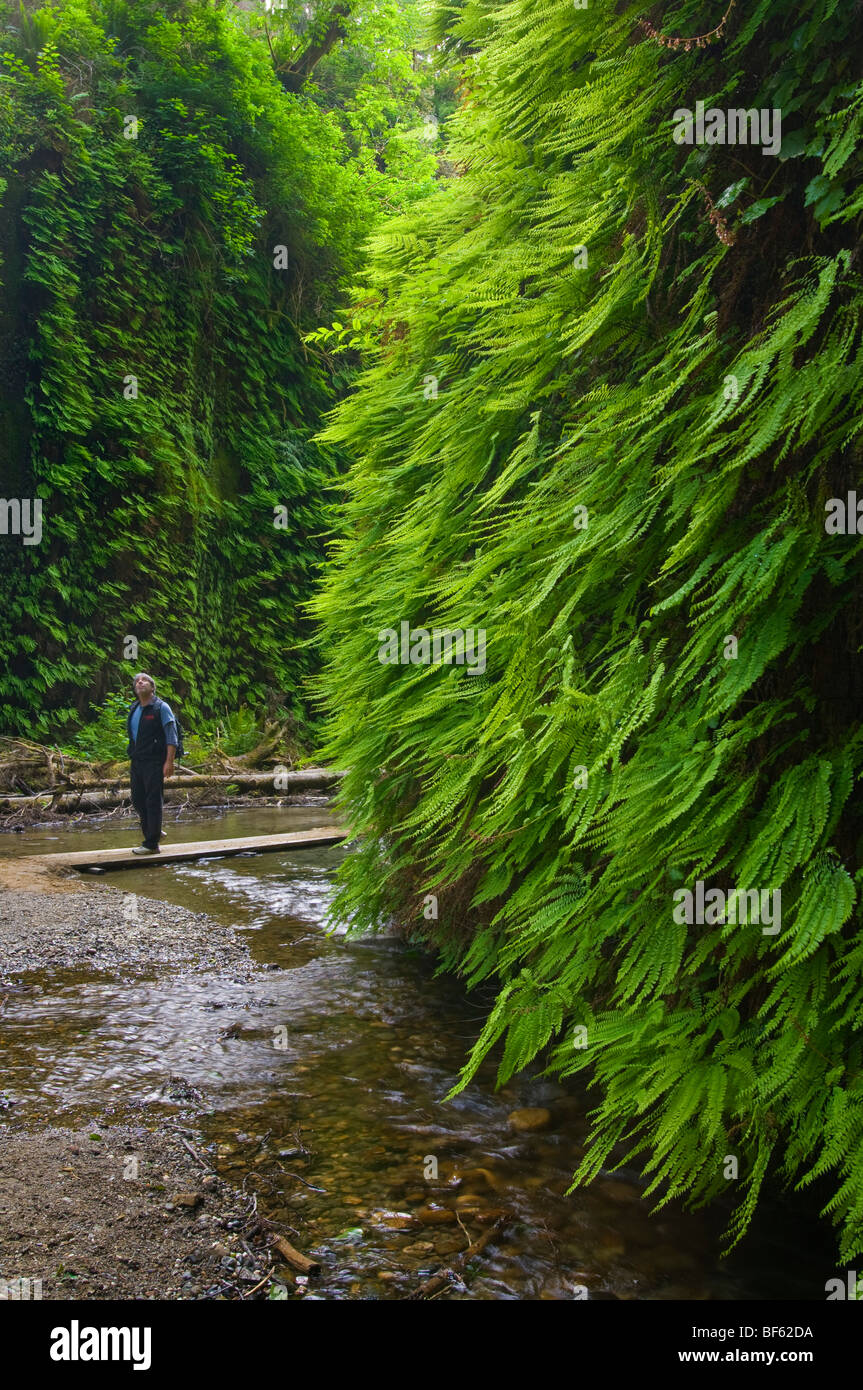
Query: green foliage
{"type": "Point", "coordinates": [237, 732]}
{"type": "Point", "coordinates": [701, 397]}
{"type": "Point", "coordinates": [103, 738]}
{"type": "Point", "coordinates": [153, 258]}
{"type": "Point", "coordinates": [379, 82]}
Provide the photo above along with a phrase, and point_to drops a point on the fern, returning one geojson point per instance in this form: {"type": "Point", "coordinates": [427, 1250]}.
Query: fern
{"type": "Point", "coordinates": [608, 388]}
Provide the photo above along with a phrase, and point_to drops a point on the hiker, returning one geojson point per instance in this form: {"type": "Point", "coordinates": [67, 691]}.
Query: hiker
{"type": "Point", "coordinates": [152, 731]}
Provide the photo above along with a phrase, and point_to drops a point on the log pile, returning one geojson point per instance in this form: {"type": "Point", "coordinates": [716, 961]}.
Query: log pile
{"type": "Point", "coordinates": [37, 783]}
{"type": "Point", "coordinates": [25, 766]}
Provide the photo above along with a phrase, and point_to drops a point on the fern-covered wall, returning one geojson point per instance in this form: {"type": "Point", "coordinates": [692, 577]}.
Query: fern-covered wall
{"type": "Point", "coordinates": [614, 383]}
{"type": "Point", "coordinates": [151, 163]}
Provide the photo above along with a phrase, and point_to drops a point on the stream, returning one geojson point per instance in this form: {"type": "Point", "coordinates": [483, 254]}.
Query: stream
{"type": "Point", "coordinates": [337, 1059]}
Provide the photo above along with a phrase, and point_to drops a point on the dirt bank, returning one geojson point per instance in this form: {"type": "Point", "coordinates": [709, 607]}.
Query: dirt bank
{"type": "Point", "coordinates": [121, 1211]}
{"type": "Point", "coordinates": [25, 876]}
{"type": "Point", "coordinates": [125, 1204]}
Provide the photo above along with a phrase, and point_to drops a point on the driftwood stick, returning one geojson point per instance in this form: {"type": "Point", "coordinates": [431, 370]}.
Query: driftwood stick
{"type": "Point", "coordinates": [196, 1156]}
{"type": "Point", "coordinates": [302, 1263]}
{"type": "Point", "coordinates": [299, 1179]}
{"type": "Point", "coordinates": [249, 1292]}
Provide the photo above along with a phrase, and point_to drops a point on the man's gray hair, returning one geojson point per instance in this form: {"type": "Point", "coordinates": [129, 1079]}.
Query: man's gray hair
{"type": "Point", "coordinates": [143, 675]}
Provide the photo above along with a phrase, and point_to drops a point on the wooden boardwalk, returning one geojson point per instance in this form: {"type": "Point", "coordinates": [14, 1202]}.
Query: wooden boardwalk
{"type": "Point", "coordinates": [198, 849]}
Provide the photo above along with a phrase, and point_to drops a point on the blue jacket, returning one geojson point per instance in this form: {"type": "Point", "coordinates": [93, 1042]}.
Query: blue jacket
{"type": "Point", "coordinates": [156, 728]}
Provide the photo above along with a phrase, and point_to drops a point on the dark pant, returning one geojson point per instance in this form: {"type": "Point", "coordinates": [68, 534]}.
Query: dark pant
{"type": "Point", "coordinates": [148, 782]}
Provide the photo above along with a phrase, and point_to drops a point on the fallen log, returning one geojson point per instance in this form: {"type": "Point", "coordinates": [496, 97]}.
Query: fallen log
{"type": "Point", "coordinates": [278, 780]}
{"type": "Point", "coordinates": [312, 777]}
{"type": "Point", "coordinates": [292, 1257]}
{"type": "Point", "coordinates": [266, 749]}
{"type": "Point", "coordinates": [20, 759]}
{"type": "Point", "coordinates": [96, 795]}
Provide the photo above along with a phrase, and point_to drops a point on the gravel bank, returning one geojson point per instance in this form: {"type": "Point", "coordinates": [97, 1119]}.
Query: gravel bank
{"type": "Point", "coordinates": [107, 930]}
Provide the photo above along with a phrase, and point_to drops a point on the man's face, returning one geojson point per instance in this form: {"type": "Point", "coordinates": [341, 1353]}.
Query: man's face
{"type": "Point", "coordinates": [143, 690]}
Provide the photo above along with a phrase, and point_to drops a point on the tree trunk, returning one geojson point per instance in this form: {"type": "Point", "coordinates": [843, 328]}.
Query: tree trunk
{"type": "Point", "coordinates": [294, 77]}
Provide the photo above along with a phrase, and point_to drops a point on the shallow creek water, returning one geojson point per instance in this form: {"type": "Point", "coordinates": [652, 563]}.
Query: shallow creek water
{"type": "Point", "coordinates": [339, 1056]}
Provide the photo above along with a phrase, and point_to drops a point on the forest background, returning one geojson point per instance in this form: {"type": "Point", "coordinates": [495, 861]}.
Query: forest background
{"type": "Point", "coordinates": [187, 189]}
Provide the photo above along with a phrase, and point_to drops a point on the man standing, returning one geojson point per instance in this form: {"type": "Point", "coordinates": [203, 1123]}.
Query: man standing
{"type": "Point", "coordinates": [152, 731]}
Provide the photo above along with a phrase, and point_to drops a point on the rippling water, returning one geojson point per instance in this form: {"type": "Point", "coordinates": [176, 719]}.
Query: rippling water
{"type": "Point", "coordinates": [332, 1065]}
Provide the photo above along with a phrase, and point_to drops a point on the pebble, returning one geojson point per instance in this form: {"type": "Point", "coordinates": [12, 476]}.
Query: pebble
{"type": "Point", "coordinates": [433, 1215]}
{"type": "Point", "coordinates": [492, 1180]}
{"type": "Point", "coordinates": [449, 1244]}
{"type": "Point", "coordinates": [468, 1201]}
{"type": "Point", "coordinates": [399, 1220]}
{"type": "Point", "coordinates": [530, 1119]}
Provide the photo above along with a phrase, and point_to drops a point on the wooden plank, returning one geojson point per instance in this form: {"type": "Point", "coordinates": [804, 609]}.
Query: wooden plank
{"type": "Point", "coordinates": [198, 849]}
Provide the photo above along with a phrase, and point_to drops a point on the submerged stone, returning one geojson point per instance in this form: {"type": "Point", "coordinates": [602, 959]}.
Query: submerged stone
{"type": "Point", "coordinates": [530, 1119]}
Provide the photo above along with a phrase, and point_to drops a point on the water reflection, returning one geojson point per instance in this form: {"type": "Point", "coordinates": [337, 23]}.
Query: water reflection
{"type": "Point", "coordinates": [324, 1072]}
